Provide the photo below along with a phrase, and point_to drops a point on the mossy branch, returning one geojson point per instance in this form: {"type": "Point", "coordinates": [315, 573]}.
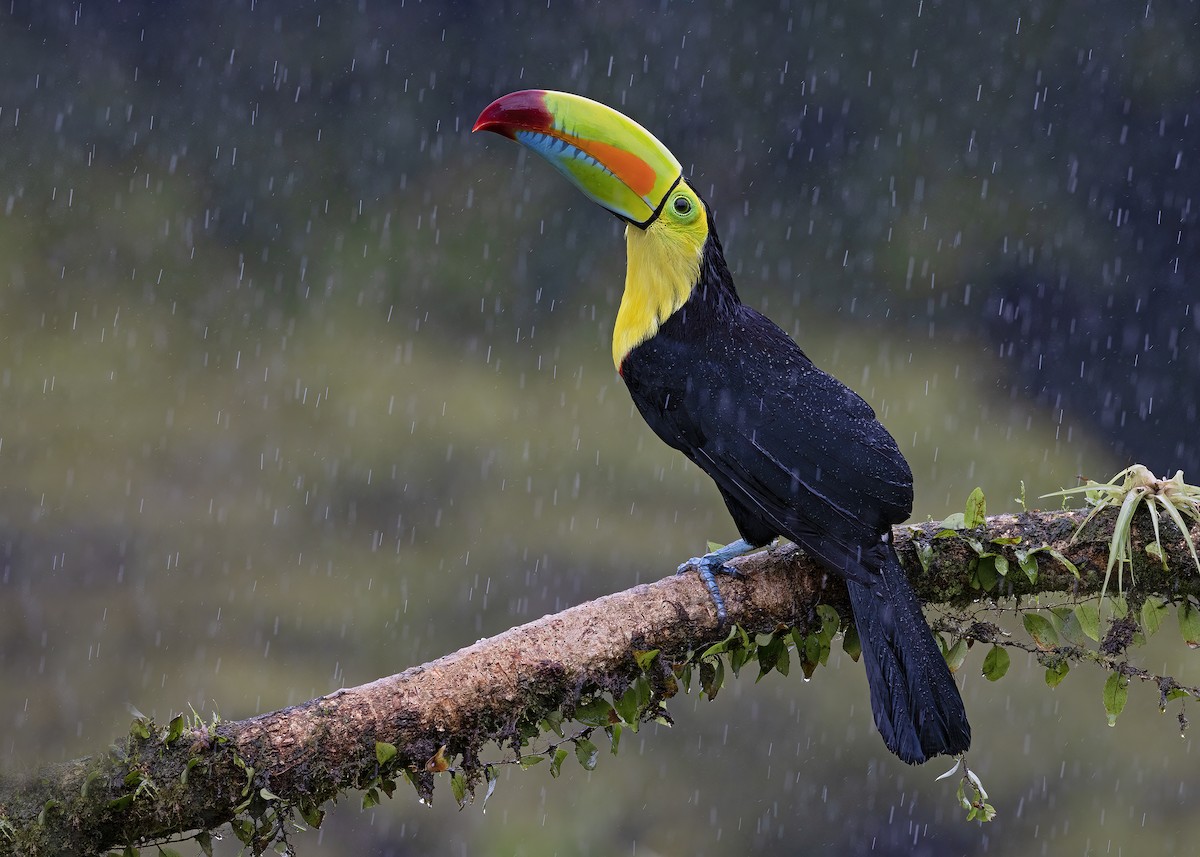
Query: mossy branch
{"type": "Point", "coordinates": [160, 784]}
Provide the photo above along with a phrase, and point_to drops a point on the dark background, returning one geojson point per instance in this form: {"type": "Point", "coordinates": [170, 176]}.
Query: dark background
{"type": "Point", "coordinates": [301, 384]}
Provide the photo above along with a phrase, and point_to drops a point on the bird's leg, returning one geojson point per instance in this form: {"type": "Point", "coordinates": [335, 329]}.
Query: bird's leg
{"type": "Point", "coordinates": [711, 564]}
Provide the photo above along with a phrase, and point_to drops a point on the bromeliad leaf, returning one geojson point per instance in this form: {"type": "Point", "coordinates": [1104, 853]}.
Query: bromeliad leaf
{"type": "Point", "coordinates": [1172, 497]}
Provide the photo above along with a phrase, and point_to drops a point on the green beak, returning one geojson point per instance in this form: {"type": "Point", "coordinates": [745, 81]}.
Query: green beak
{"type": "Point", "coordinates": [608, 156]}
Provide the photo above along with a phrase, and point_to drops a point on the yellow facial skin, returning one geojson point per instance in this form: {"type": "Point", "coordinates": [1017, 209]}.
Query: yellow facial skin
{"type": "Point", "coordinates": [663, 266]}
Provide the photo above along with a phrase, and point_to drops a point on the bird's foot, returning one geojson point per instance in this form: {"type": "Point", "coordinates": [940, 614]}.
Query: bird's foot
{"type": "Point", "coordinates": [712, 564]}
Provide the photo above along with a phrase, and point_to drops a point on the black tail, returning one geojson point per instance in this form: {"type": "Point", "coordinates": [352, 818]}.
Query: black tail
{"type": "Point", "coordinates": [916, 703]}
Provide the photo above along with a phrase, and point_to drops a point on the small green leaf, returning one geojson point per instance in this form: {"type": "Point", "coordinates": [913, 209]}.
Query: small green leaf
{"type": "Point", "coordinates": [47, 808]}
{"type": "Point", "coordinates": [976, 511]}
{"type": "Point", "coordinates": [1001, 562]}
{"type": "Point", "coordinates": [552, 722]}
{"type": "Point", "coordinates": [1028, 563]}
{"type": "Point", "coordinates": [831, 620]}
{"type": "Point", "coordinates": [712, 675]}
{"type": "Point", "coordinates": [266, 794]}
{"type": "Point", "coordinates": [1116, 692]}
{"type": "Point", "coordinates": [798, 638]}
{"type": "Point", "coordinates": [770, 654]}
{"type": "Point", "coordinates": [370, 798]}
{"type": "Point", "coordinates": [627, 706]}
{"type": "Point", "coordinates": [956, 655]}
{"type": "Point", "coordinates": [614, 737]}
{"type": "Point", "coordinates": [87, 784]}
{"type": "Point", "coordinates": [954, 522]}
{"type": "Point", "coordinates": [556, 763]}
{"type": "Point", "coordinates": [1056, 672]}
{"type": "Point", "coordinates": [1070, 566]}
{"type": "Point", "coordinates": [644, 658]}
{"type": "Point", "coordinates": [783, 663]}
{"type": "Point", "coordinates": [823, 655]}
{"type": "Point", "coordinates": [1066, 625]}
{"type": "Point", "coordinates": [597, 711]}
{"type": "Point", "coordinates": [985, 576]}
{"type": "Point", "coordinates": [174, 729]}
{"type": "Point", "coordinates": [708, 684]}
{"type": "Point", "coordinates": [458, 787]}
{"type": "Point", "coordinates": [120, 803]}
{"type": "Point", "coordinates": [187, 768]}
{"type": "Point", "coordinates": [139, 729]}
{"type": "Point", "coordinates": [243, 828]}
{"type": "Point", "coordinates": [810, 655]}
{"type": "Point", "coordinates": [1007, 540]}
{"type": "Point", "coordinates": [925, 555]}
{"type": "Point", "coordinates": [739, 656]}
{"type": "Point", "coordinates": [995, 663]}
{"type": "Point", "coordinates": [1154, 611]}
{"type": "Point", "coordinates": [1088, 616]}
{"type": "Point", "coordinates": [384, 752]}
{"type": "Point", "coordinates": [851, 644]}
{"type": "Point", "coordinates": [631, 704]}
{"type": "Point", "coordinates": [1189, 623]}
{"type": "Point", "coordinates": [1040, 629]}
{"type": "Point", "coordinates": [530, 761]}
{"type": "Point", "coordinates": [586, 753]}
{"type": "Point", "coordinates": [204, 840]}
{"type": "Point", "coordinates": [313, 815]}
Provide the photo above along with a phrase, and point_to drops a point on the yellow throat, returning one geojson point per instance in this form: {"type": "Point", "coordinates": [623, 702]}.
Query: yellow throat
{"type": "Point", "coordinates": [663, 267]}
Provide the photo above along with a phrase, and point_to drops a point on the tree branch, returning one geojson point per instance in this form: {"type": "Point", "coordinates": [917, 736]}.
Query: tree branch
{"type": "Point", "coordinates": [162, 782]}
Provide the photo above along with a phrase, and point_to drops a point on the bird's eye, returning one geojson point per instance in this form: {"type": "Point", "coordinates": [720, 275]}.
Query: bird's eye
{"type": "Point", "coordinates": [682, 205]}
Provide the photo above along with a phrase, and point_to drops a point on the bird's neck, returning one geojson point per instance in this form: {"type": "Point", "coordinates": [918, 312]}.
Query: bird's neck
{"type": "Point", "coordinates": [661, 272]}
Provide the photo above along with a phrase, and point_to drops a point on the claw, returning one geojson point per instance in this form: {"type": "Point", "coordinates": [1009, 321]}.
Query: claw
{"type": "Point", "coordinates": [712, 564]}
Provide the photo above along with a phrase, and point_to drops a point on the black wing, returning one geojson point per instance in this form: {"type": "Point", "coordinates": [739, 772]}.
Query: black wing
{"type": "Point", "coordinates": [793, 450]}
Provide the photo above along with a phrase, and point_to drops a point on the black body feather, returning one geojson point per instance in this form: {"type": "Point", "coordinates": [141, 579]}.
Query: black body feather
{"type": "Point", "coordinates": [796, 453]}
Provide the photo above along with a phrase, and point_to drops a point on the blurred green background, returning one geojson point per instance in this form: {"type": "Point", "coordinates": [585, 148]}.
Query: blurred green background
{"type": "Point", "coordinates": [301, 384]}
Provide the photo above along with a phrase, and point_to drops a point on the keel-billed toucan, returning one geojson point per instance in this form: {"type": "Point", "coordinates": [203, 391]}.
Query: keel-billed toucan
{"type": "Point", "coordinates": [793, 451]}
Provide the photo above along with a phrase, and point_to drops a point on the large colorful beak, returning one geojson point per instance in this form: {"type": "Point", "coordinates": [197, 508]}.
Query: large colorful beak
{"type": "Point", "coordinates": [608, 156]}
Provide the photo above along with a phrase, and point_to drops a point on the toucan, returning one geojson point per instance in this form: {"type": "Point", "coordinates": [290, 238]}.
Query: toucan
{"type": "Point", "coordinates": [792, 450]}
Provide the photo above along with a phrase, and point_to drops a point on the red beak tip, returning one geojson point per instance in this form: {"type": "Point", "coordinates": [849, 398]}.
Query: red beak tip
{"type": "Point", "coordinates": [512, 112]}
